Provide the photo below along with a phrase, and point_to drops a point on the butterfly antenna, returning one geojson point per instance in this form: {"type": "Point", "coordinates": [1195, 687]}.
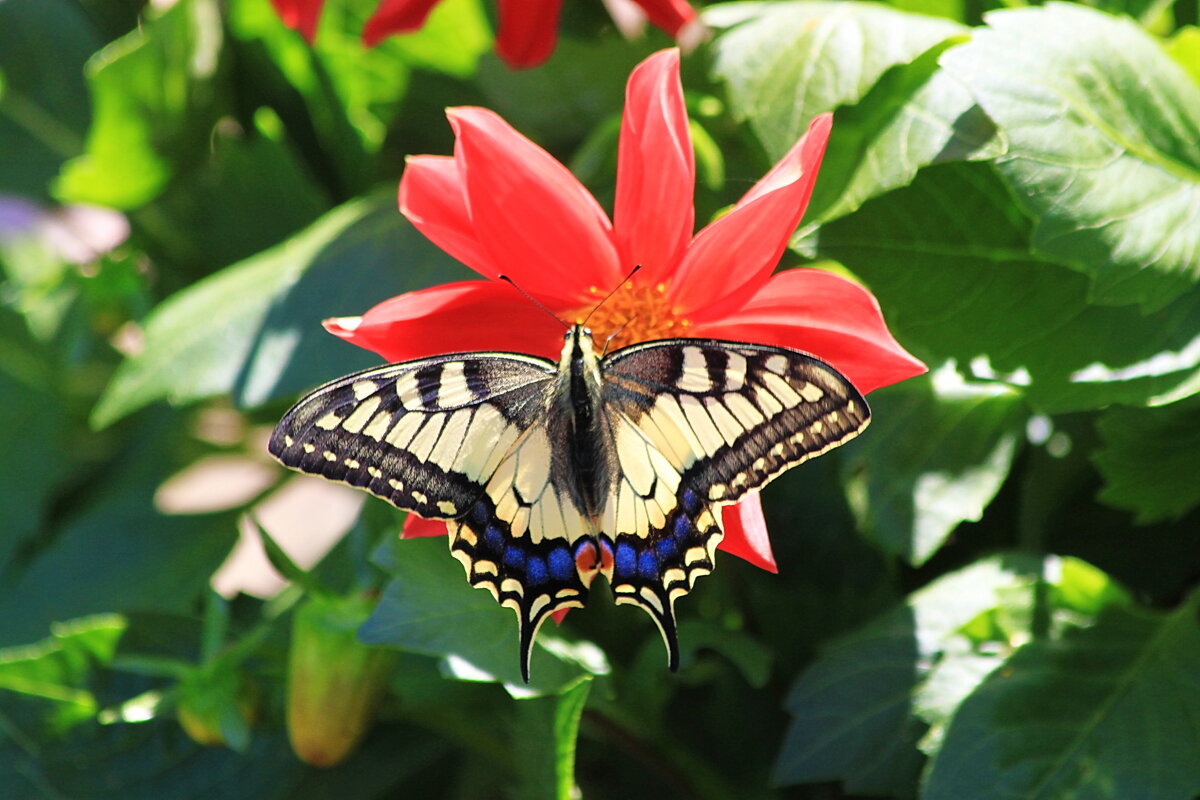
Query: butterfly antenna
{"type": "Point", "coordinates": [615, 334]}
{"type": "Point", "coordinates": [533, 300]}
{"type": "Point", "coordinates": [615, 289]}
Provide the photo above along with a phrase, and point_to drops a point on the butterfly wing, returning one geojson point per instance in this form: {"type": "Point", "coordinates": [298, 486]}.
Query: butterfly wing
{"type": "Point", "coordinates": [696, 424]}
{"type": "Point", "coordinates": [460, 438]}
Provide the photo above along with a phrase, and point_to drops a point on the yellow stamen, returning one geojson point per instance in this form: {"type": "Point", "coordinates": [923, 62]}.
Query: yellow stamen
{"type": "Point", "coordinates": [640, 314]}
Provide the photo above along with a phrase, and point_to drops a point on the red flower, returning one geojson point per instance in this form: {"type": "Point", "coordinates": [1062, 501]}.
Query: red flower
{"type": "Point", "coordinates": [502, 205]}
{"type": "Point", "coordinates": [528, 28]}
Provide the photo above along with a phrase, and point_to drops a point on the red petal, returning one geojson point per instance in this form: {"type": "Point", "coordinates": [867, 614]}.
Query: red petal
{"type": "Point", "coordinates": [396, 16]}
{"type": "Point", "coordinates": [656, 173]}
{"type": "Point", "coordinates": [415, 527]}
{"type": "Point", "coordinates": [668, 15]}
{"type": "Point", "coordinates": [560, 615]}
{"type": "Point", "coordinates": [300, 15]}
{"type": "Point", "coordinates": [731, 258]}
{"type": "Point", "coordinates": [827, 315]}
{"type": "Point", "coordinates": [528, 31]}
{"type": "Point", "coordinates": [540, 225]}
{"type": "Point", "coordinates": [746, 533]}
{"type": "Point", "coordinates": [454, 318]}
{"type": "Point", "coordinates": [433, 196]}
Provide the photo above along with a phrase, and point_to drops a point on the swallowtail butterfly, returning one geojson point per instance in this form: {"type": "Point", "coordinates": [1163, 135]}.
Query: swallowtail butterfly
{"type": "Point", "coordinates": [550, 474]}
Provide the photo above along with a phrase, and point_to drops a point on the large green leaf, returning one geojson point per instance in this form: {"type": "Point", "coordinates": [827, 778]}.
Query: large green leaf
{"type": "Point", "coordinates": [852, 709]}
{"type": "Point", "coordinates": [938, 451]}
{"type": "Point", "coordinates": [44, 107]}
{"type": "Point", "coordinates": [429, 608]}
{"type": "Point", "coordinates": [254, 329]}
{"type": "Point", "coordinates": [784, 63]}
{"type": "Point", "coordinates": [787, 62]}
{"type": "Point", "coordinates": [116, 551]}
{"type": "Point", "coordinates": [155, 105]}
{"type": "Point", "coordinates": [878, 696]}
{"type": "Point", "coordinates": [1104, 144]}
{"type": "Point", "coordinates": [948, 259]}
{"type": "Point", "coordinates": [1151, 459]}
{"type": "Point", "coordinates": [1107, 712]}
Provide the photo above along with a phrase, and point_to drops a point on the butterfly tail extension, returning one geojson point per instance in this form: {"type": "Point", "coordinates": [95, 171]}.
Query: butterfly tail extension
{"type": "Point", "coordinates": [654, 571]}
{"type": "Point", "coordinates": [534, 579]}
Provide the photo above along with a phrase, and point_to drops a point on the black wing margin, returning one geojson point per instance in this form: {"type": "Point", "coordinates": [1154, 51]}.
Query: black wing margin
{"type": "Point", "coordinates": [419, 434]}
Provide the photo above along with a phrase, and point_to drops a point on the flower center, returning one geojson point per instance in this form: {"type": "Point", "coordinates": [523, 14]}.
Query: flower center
{"type": "Point", "coordinates": [635, 313]}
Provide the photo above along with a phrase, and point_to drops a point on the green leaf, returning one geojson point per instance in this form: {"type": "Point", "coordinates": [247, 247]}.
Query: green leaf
{"type": "Point", "coordinates": [429, 608]}
{"type": "Point", "coordinates": [878, 696]}
{"type": "Point", "coordinates": [1104, 144]}
{"type": "Point", "coordinates": [787, 62]}
{"type": "Point", "coordinates": [1184, 47]}
{"type": "Point", "coordinates": [451, 41]}
{"type": "Point", "coordinates": [253, 329]}
{"type": "Point", "coordinates": [200, 222]}
{"type": "Point", "coordinates": [852, 709]}
{"type": "Point", "coordinates": [948, 259]}
{"type": "Point", "coordinates": [545, 732]}
{"type": "Point", "coordinates": [153, 93]}
{"type": "Point", "coordinates": [116, 552]}
{"type": "Point", "coordinates": [58, 670]}
{"type": "Point", "coordinates": [1151, 459]}
{"type": "Point", "coordinates": [32, 438]}
{"type": "Point", "coordinates": [1108, 711]}
{"type": "Point", "coordinates": [939, 450]}
{"type": "Point", "coordinates": [44, 108]}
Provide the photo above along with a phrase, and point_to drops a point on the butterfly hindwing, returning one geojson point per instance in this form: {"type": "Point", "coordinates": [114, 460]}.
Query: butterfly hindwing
{"type": "Point", "coordinates": [522, 537]}
{"type": "Point", "coordinates": [697, 424]}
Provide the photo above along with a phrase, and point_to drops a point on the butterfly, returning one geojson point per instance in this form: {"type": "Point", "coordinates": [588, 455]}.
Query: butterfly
{"type": "Point", "coordinates": [549, 474]}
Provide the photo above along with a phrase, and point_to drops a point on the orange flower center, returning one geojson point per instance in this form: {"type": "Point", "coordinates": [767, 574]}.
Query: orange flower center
{"type": "Point", "coordinates": [635, 313]}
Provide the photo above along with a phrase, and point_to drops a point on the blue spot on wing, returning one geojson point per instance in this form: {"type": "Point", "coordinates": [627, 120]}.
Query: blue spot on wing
{"type": "Point", "coordinates": [682, 527]}
{"type": "Point", "coordinates": [535, 571]}
{"type": "Point", "coordinates": [493, 537]}
{"type": "Point", "coordinates": [562, 566]}
{"type": "Point", "coordinates": [691, 502]}
{"type": "Point", "coordinates": [667, 549]}
{"type": "Point", "coordinates": [514, 557]}
{"type": "Point", "coordinates": [625, 559]}
{"type": "Point", "coordinates": [648, 565]}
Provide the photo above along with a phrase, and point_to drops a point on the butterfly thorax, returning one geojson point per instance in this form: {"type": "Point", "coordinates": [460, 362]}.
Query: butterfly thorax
{"type": "Point", "coordinates": [585, 454]}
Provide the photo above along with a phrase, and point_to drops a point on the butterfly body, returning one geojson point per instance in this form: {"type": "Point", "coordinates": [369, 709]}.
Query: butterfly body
{"type": "Point", "coordinates": [550, 474]}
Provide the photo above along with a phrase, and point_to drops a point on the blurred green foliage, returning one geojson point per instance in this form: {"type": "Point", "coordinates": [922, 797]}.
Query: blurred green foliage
{"type": "Point", "coordinates": [991, 594]}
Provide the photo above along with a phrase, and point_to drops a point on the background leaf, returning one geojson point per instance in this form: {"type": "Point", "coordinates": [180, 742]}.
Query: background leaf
{"type": "Point", "coordinates": [938, 453]}
{"type": "Point", "coordinates": [949, 259]}
{"type": "Point", "coordinates": [1036, 730]}
{"type": "Point", "coordinates": [1114, 185]}
{"type": "Point", "coordinates": [1150, 459]}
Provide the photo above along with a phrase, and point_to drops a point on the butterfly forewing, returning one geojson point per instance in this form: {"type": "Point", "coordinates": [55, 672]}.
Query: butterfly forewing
{"type": "Point", "coordinates": [696, 425]}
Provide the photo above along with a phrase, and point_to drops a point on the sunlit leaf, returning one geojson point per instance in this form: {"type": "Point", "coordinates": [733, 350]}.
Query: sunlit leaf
{"type": "Point", "coordinates": [254, 329]}
{"type": "Point", "coordinates": [154, 107]}
{"type": "Point", "coordinates": [1104, 144]}
{"type": "Point", "coordinates": [949, 260]}
{"type": "Point", "coordinates": [1108, 711]}
{"type": "Point", "coordinates": [938, 452]}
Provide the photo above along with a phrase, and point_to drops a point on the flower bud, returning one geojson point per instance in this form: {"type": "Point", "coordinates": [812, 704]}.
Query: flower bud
{"type": "Point", "coordinates": [334, 681]}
